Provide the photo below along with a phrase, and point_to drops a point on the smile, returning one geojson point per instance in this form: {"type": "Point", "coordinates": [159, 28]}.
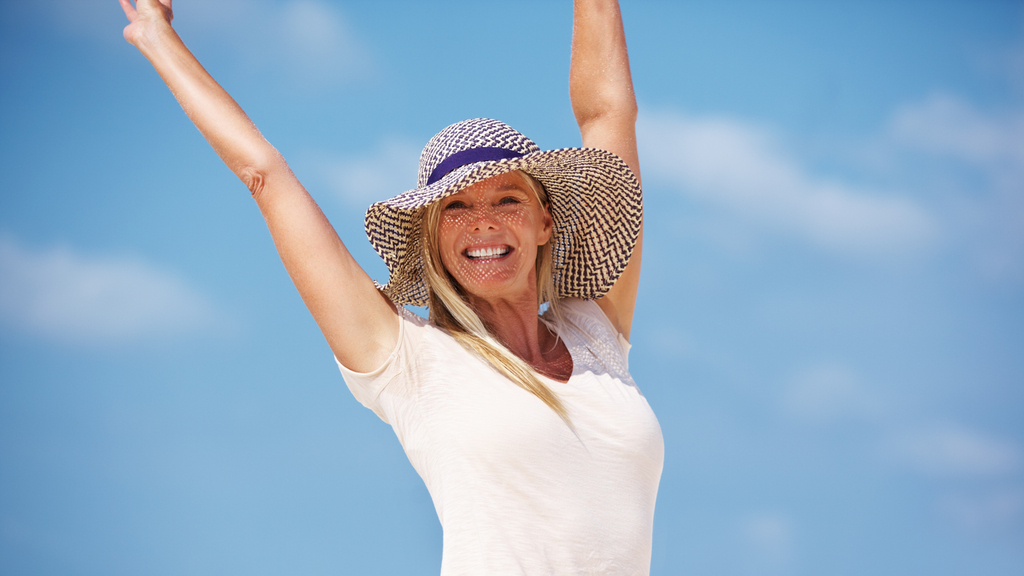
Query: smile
{"type": "Point", "coordinates": [487, 253]}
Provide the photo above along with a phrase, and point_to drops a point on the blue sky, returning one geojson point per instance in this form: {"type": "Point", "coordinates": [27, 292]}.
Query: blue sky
{"type": "Point", "coordinates": [830, 319]}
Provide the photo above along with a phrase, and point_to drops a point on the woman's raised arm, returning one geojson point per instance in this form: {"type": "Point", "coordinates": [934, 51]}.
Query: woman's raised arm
{"type": "Point", "coordinates": [601, 91]}
{"type": "Point", "coordinates": [360, 324]}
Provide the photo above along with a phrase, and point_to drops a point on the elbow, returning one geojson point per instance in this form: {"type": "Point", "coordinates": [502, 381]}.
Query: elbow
{"type": "Point", "coordinates": [622, 115]}
{"type": "Point", "coordinates": [254, 179]}
{"type": "Point", "coordinates": [605, 107]}
{"type": "Point", "coordinates": [631, 109]}
{"type": "Point", "coordinates": [623, 110]}
{"type": "Point", "coordinates": [255, 174]}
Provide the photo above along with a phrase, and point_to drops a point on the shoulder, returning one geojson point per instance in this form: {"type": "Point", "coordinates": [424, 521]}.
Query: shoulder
{"type": "Point", "coordinates": [587, 322]}
{"type": "Point", "coordinates": [417, 340]}
{"type": "Point", "coordinates": [586, 315]}
{"type": "Point", "coordinates": [420, 335]}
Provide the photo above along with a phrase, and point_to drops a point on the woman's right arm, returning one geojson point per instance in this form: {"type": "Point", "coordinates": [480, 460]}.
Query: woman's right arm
{"type": "Point", "coordinates": [601, 90]}
{"type": "Point", "coordinates": [360, 323]}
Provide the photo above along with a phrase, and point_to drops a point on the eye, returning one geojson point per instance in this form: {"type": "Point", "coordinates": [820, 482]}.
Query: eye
{"type": "Point", "coordinates": [509, 200]}
{"type": "Point", "coordinates": [455, 205]}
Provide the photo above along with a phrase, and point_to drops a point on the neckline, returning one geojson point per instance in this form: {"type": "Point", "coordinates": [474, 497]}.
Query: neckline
{"type": "Point", "coordinates": [569, 347]}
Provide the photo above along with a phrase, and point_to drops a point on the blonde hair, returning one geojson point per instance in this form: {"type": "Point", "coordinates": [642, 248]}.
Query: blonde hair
{"type": "Point", "coordinates": [450, 310]}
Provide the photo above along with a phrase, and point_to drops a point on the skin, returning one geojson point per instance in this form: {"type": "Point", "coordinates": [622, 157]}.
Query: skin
{"type": "Point", "coordinates": [359, 323]}
{"type": "Point", "coordinates": [601, 91]}
{"type": "Point", "coordinates": [501, 215]}
{"type": "Point", "coordinates": [488, 236]}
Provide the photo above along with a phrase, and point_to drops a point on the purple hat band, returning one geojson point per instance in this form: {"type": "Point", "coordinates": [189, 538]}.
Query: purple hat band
{"type": "Point", "coordinates": [470, 156]}
{"type": "Point", "coordinates": [596, 205]}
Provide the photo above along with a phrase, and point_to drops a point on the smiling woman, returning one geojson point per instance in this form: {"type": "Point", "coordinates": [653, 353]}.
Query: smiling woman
{"type": "Point", "coordinates": [489, 235]}
{"type": "Point", "coordinates": [486, 244]}
{"type": "Point", "coordinates": [537, 447]}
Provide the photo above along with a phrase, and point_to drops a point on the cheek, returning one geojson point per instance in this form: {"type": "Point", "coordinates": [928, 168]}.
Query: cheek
{"type": "Point", "coordinates": [446, 235]}
{"type": "Point", "coordinates": [514, 219]}
{"type": "Point", "coordinates": [526, 225]}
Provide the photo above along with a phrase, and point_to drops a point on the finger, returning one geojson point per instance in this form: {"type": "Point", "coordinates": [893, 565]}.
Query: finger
{"type": "Point", "coordinates": [129, 10]}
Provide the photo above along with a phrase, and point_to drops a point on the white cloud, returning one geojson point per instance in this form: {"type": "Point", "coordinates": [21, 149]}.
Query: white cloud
{"type": "Point", "coordinates": [304, 41]}
{"type": "Point", "coordinates": [979, 155]}
{"type": "Point", "coordinates": [952, 450]}
{"type": "Point", "coordinates": [314, 29]}
{"type": "Point", "coordinates": [770, 539]}
{"type": "Point", "coordinates": [828, 392]}
{"type": "Point", "coordinates": [300, 41]}
{"type": "Point", "coordinates": [981, 513]}
{"type": "Point", "coordinates": [61, 295]}
{"type": "Point", "coordinates": [743, 169]}
{"type": "Point", "coordinates": [387, 170]}
{"type": "Point", "coordinates": [318, 43]}
{"type": "Point", "coordinates": [947, 126]}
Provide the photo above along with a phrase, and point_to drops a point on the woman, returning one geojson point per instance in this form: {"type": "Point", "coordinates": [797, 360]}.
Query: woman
{"type": "Point", "coordinates": [539, 452]}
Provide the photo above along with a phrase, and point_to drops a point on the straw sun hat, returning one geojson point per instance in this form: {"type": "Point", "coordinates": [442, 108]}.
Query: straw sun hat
{"type": "Point", "coordinates": [595, 202]}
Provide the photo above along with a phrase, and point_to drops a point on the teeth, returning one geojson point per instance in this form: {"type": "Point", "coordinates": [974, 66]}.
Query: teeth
{"type": "Point", "coordinates": [487, 252]}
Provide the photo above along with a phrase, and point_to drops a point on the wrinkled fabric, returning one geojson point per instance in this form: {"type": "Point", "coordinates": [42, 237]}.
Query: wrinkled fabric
{"type": "Point", "coordinates": [516, 489]}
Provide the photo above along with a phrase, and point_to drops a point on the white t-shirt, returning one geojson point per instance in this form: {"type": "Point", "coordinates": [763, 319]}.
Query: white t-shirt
{"type": "Point", "coordinates": [516, 491]}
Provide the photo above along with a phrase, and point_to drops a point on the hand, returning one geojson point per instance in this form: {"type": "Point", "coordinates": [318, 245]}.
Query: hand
{"type": "Point", "coordinates": [145, 13]}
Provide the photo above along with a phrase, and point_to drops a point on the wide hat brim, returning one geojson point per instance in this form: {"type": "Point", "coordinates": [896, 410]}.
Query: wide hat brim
{"type": "Point", "coordinates": [596, 204]}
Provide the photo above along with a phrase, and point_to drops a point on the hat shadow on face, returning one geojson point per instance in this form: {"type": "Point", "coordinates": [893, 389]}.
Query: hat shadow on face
{"type": "Point", "coordinates": [493, 236]}
{"type": "Point", "coordinates": [595, 203]}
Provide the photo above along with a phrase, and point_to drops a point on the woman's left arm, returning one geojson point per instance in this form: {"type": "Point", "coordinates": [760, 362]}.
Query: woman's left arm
{"type": "Point", "coordinates": [601, 91]}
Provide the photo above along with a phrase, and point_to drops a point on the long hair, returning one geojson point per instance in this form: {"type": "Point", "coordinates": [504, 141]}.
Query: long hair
{"type": "Point", "coordinates": [450, 310]}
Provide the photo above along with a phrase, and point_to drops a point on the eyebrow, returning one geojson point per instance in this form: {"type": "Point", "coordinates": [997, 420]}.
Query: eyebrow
{"type": "Point", "coordinates": [509, 186]}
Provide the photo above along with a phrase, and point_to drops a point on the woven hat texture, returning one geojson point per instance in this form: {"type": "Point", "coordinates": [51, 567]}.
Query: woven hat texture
{"type": "Point", "coordinates": [595, 201]}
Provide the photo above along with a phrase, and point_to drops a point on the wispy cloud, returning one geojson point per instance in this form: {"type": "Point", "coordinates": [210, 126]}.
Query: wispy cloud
{"type": "Point", "coordinates": [830, 393]}
{"type": "Point", "coordinates": [386, 170]}
{"type": "Point", "coordinates": [980, 155]}
{"type": "Point", "coordinates": [62, 295]}
{"type": "Point", "coordinates": [743, 169]}
{"type": "Point", "coordinates": [954, 450]}
{"type": "Point", "coordinates": [945, 125]}
{"type": "Point", "coordinates": [995, 510]}
{"type": "Point", "coordinates": [308, 42]}
{"type": "Point", "coordinates": [304, 41]}
{"type": "Point", "coordinates": [827, 393]}
{"type": "Point", "coordinates": [770, 539]}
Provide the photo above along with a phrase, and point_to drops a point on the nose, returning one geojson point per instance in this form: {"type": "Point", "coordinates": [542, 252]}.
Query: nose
{"type": "Point", "coordinates": [482, 218]}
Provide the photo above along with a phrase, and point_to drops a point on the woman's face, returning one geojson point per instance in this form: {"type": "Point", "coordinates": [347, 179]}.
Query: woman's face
{"type": "Point", "coordinates": [488, 235]}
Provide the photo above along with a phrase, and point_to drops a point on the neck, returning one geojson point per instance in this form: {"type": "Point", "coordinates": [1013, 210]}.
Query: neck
{"type": "Point", "coordinates": [515, 324]}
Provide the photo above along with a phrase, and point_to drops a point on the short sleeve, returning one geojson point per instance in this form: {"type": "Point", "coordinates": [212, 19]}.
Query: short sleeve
{"type": "Point", "coordinates": [599, 335]}
{"type": "Point", "coordinates": [367, 387]}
